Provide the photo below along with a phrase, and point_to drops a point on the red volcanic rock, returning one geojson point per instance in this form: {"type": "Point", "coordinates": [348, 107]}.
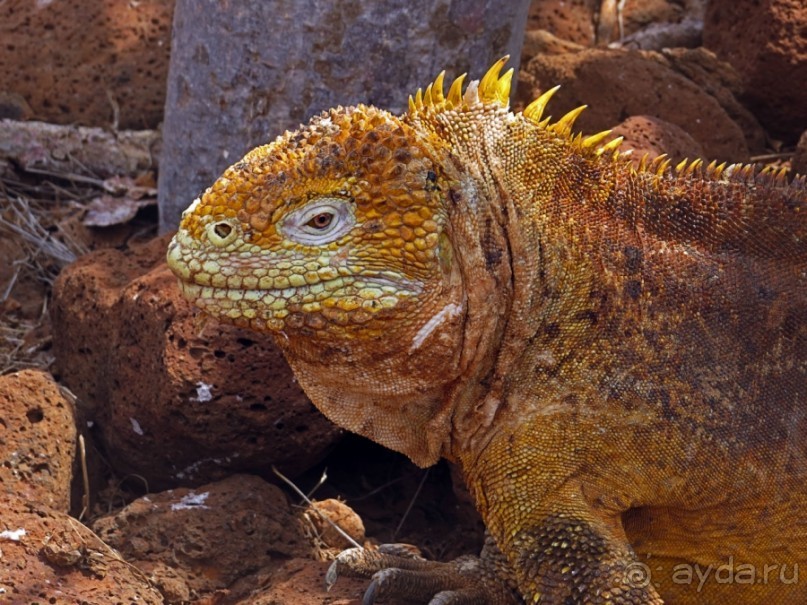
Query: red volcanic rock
{"type": "Point", "coordinates": [194, 542]}
{"type": "Point", "coordinates": [653, 136]}
{"type": "Point", "coordinates": [617, 84]}
{"type": "Point", "coordinates": [48, 557]}
{"type": "Point", "coordinates": [37, 439]}
{"type": "Point", "coordinates": [766, 42]}
{"type": "Point", "coordinates": [91, 63]}
{"type": "Point", "coordinates": [175, 399]}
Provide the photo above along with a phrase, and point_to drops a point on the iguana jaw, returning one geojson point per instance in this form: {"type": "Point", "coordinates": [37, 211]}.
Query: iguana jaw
{"type": "Point", "coordinates": [400, 387]}
{"type": "Point", "coordinates": [389, 380]}
{"type": "Point", "coordinates": [259, 292]}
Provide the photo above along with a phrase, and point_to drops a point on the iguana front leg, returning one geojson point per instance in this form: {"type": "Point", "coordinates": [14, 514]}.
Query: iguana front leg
{"type": "Point", "coordinates": [573, 557]}
{"type": "Point", "coordinates": [569, 558]}
{"type": "Point", "coordinates": [542, 497]}
{"type": "Point", "coordinates": [559, 549]}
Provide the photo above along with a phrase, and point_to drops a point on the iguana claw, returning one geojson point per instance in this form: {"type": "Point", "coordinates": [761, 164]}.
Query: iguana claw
{"type": "Point", "coordinates": [395, 571]}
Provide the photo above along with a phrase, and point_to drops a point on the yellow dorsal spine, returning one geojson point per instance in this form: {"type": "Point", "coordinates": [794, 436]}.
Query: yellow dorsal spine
{"type": "Point", "coordinates": [492, 88]}
{"type": "Point", "coordinates": [454, 98]}
{"type": "Point", "coordinates": [564, 125]}
{"type": "Point", "coordinates": [535, 110]}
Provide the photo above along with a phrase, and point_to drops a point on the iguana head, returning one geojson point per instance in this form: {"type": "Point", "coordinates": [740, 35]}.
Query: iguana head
{"type": "Point", "coordinates": [332, 233]}
{"type": "Point", "coordinates": [346, 238]}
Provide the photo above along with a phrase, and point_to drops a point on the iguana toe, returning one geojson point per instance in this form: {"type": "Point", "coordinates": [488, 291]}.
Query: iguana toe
{"type": "Point", "coordinates": [467, 580]}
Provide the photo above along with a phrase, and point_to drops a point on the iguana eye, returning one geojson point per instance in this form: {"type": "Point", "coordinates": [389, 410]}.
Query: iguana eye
{"type": "Point", "coordinates": [320, 221]}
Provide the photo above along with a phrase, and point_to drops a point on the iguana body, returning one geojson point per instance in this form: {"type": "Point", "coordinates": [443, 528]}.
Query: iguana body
{"type": "Point", "coordinates": [616, 356]}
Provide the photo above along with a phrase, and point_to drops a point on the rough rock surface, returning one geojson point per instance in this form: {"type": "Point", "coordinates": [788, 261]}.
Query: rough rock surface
{"type": "Point", "coordinates": [48, 557]}
{"type": "Point", "coordinates": [175, 399]}
{"type": "Point", "coordinates": [653, 136]}
{"type": "Point", "coordinates": [766, 42]}
{"type": "Point", "coordinates": [195, 542]}
{"type": "Point", "coordinates": [590, 22]}
{"type": "Point", "coordinates": [96, 63]}
{"type": "Point", "coordinates": [571, 20]}
{"type": "Point", "coordinates": [37, 439]}
{"type": "Point", "coordinates": [719, 80]}
{"type": "Point", "coordinates": [301, 582]}
{"type": "Point", "coordinates": [617, 84]}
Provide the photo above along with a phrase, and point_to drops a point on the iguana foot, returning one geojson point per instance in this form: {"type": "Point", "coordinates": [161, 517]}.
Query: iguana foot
{"type": "Point", "coordinates": [398, 570]}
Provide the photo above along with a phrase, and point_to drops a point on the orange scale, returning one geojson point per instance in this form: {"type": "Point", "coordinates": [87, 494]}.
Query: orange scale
{"type": "Point", "coordinates": [368, 214]}
{"type": "Point", "coordinates": [393, 219]}
{"type": "Point", "coordinates": [259, 221]}
{"type": "Point", "coordinates": [394, 171]}
{"type": "Point", "coordinates": [360, 316]}
{"type": "Point", "coordinates": [414, 219]}
{"type": "Point", "coordinates": [421, 244]}
{"type": "Point", "coordinates": [337, 316]}
{"type": "Point", "coordinates": [382, 153]}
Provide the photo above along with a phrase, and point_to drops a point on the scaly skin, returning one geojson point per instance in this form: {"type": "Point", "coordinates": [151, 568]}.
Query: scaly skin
{"type": "Point", "coordinates": [616, 356]}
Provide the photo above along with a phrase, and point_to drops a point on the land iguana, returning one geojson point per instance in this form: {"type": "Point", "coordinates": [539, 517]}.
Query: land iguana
{"type": "Point", "coordinates": [614, 354]}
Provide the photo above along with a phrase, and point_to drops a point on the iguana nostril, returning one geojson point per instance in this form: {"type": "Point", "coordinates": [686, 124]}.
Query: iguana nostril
{"type": "Point", "coordinates": [221, 233]}
{"type": "Point", "coordinates": [222, 230]}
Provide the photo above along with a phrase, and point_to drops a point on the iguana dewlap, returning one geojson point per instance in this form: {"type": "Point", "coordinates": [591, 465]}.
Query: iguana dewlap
{"type": "Point", "coordinates": [615, 356]}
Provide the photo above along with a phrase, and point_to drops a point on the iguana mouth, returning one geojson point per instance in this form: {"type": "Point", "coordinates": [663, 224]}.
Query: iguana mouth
{"type": "Point", "coordinates": [370, 291]}
{"type": "Point", "coordinates": [279, 276]}
{"type": "Point", "coordinates": [321, 290]}
{"type": "Point", "coordinates": [332, 301]}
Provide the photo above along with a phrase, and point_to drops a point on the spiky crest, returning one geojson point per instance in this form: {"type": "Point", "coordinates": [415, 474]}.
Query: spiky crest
{"type": "Point", "coordinates": [564, 125]}
{"type": "Point", "coordinates": [494, 89]}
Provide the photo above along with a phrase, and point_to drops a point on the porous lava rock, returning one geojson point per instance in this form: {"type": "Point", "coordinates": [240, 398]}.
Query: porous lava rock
{"type": "Point", "coordinates": [37, 439]}
{"type": "Point", "coordinates": [653, 136]}
{"type": "Point", "coordinates": [48, 557]}
{"type": "Point", "coordinates": [766, 42]}
{"type": "Point", "coordinates": [91, 63]}
{"type": "Point", "coordinates": [175, 398]}
{"type": "Point", "coordinates": [302, 582]}
{"type": "Point", "coordinates": [193, 542]}
{"type": "Point", "coordinates": [590, 22]}
{"type": "Point", "coordinates": [571, 20]}
{"type": "Point", "coordinates": [720, 80]}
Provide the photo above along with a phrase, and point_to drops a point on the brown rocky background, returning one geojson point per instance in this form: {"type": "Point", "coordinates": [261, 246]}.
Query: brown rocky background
{"type": "Point", "coordinates": [98, 63]}
{"type": "Point", "coordinates": [137, 439]}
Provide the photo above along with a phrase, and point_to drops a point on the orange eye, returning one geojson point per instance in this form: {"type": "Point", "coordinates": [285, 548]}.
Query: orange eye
{"type": "Point", "coordinates": [322, 220]}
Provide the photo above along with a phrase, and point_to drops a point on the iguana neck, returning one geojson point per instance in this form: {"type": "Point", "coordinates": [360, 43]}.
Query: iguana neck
{"type": "Point", "coordinates": [526, 265]}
